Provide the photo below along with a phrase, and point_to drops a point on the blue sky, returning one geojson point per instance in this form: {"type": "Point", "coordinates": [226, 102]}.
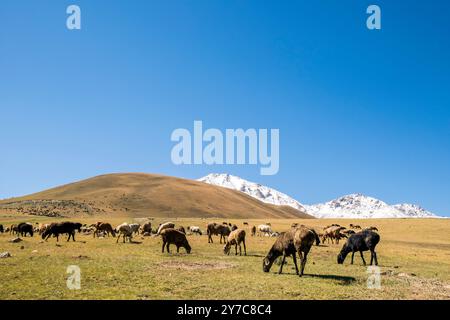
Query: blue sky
{"type": "Point", "coordinates": [358, 110]}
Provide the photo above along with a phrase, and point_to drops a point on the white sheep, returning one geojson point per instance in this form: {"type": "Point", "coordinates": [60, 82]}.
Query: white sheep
{"type": "Point", "coordinates": [125, 230]}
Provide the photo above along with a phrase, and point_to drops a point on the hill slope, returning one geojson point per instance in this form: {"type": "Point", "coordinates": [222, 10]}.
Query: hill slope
{"type": "Point", "coordinates": [146, 195]}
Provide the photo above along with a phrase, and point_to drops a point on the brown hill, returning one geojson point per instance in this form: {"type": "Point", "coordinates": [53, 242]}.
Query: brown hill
{"type": "Point", "coordinates": [146, 195]}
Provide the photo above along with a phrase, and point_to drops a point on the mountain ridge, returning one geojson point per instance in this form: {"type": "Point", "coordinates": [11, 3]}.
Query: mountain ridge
{"type": "Point", "coordinates": [352, 206]}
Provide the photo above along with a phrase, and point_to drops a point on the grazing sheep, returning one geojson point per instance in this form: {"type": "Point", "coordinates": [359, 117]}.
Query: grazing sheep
{"type": "Point", "coordinates": [332, 233]}
{"type": "Point", "coordinates": [25, 228]}
{"type": "Point", "coordinates": [264, 229]}
{"type": "Point", "coordinates": [348, 232]}
{"type": "Point", "coordinates": [13, 229]}
{"type": "Point", "coordinates": [61, 228]}
{"type": "Point", "coordinates": [135, 227]}
{"type": "Point", "coordinates": [104, 228]}
{"type": "Point", "coordinates": [253, 231]}
{"type": "Point", "coordinates": [125, 231]}
{"type": "Point", "coordinates": [147, 227]}
{"type": "Point", "coordinates": [234, 227]}
{"type": "Point", "coordinates": [171, 236]}
{"type": "Point", "coordinates": [245, 223]}
{"type": "Point", "coordinates": [371, 228]}
{"type": "Point", "coordinates": [295, 241]}
{"type": "Point", "coordinates": [354, 226]}
{"type": "Point", "coordinates": [181, 229]}
{"type": "Point", "coordinates": [165, 225]}
{"type": "Point", "coordinates": [218, 230]}
{"type": "Point", "coordinates": [235, 238]}
{"type": "Point", "coordinates": [195, 229]}
{"type": "Point", "coordinates": [1, 228]}
{"type": "Point", "coordinates": [361, 241]}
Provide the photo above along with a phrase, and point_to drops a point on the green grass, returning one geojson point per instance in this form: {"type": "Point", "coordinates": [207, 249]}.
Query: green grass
{"type": "Point", "coordinates": [141, 271]}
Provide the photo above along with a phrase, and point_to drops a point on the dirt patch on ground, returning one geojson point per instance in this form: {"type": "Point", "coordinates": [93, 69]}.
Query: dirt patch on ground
{"type": "Point", "coordinates": [197, 265]}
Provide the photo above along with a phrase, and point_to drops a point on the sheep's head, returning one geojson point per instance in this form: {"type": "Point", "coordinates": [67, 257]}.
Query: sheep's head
{"type": "Point", "coordinates": [226, 248]}
{"type": "Point", "coordinates": [267, 264]}
{"type": "Point", "coordinates": [187, 247]}
{"type": "Point", "coordinates": [341, 256]}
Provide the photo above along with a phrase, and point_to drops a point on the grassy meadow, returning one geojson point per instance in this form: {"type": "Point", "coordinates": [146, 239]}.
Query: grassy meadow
{"type": "Point", "coordinates": [414, 257]}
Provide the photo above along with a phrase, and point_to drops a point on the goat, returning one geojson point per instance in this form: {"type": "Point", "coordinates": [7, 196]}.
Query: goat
{"type": "Point", "coordinates": [106, 228]}
{"type": "Point", "coordinates": [361, 241]}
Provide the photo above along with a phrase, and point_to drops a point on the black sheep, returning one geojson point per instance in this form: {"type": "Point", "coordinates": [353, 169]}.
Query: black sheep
{"type": "Point", "coordinates": [362, 241]}
{"type": "Point", "coordinates": [24, 228]}
{"type": "Point", "coordinates": [62, 228]}
{"type": "Point", "coordinates": [1, 228]}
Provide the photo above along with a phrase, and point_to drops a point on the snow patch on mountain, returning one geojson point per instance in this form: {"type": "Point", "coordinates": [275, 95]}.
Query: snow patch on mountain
{"type": "Point", "coordinates": [352, 206]}
{"type": "Point", "coordinates": [255, 190]}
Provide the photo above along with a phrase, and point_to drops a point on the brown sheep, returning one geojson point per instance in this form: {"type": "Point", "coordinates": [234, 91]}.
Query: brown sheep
{"type": "Point", "coordinates": [171, 236]}
{"type": "Point", "coordinates": [235, 238]}
{"type": "Point", "coordinates": [147, 227]}
{"type": "Point", "coordinates": [104, 227]}
{"type": "Point", "coordinates": [332, 233]}
{"type": "Point", "coordinates": [295, 241]}
{"type": "Point", "coordinates": [253, 231]}
{"type": "Point", "coordinates": [181, 229]}
{"type": "Point", "coordinates": [217, 229]}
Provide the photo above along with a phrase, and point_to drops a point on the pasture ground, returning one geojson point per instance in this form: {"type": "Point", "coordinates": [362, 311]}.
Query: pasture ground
{"type": "Point", "coordinates": [414, 257]}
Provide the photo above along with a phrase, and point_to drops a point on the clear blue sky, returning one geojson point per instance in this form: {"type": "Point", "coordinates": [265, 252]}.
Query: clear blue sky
{"type": "Point", "coordinates": [358, 110]}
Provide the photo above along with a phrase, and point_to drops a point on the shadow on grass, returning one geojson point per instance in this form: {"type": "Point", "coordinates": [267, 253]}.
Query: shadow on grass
{"type": "Point", "coordinates": [343, 279]}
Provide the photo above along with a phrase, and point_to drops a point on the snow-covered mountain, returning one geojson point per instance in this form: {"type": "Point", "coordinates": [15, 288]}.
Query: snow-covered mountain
{"type": "Point", "coordinates": [352, 206]}
{"type": "Point", "coordinates": [360, 206]}
{"type": "Point", "coordinates": [255, 190]}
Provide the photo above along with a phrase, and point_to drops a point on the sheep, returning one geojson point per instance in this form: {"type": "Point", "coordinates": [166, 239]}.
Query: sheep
{"type": "Point", "coordinates": [217, 229]}
{"type": "Point", "coordinates": [60, 228]}
{"type": "Point", "coordinates": [105, 228]}
{"type": "Point", "coordinates": [253, 231]}
{"type": "Point", "coordinates": [245, 223]}
{"type": "Point", "coordinates": [235, 238]}
{"type": "Point", "coordinates": [24, 228]}
{"type": "Point", "coordinates": [332, 233]}
{"type": "Point", "coordinates": [355, 226]}
{"type": "Point", "coordinates": [265, 228]}
{"type": "Point", "coordinates": [2, 229]}
{"type": "Point", "coordinates": [294, 225]}
{"type": "Point", "coordinates": [13, 229]}
{"type": "Point", "coordinates": [171, 236]}
{"type": "Point", "coordinates": [125, 231]}
{"type": "Point", "coordinates": [135, 227]}
{"type": "Point", "coordinates": [361, 241]}
{"type": "Point", "coordinates": [165, 225]}
{"type": "Point", "coordinates": [181, 229]}
{"type": "Point", "coordinates": [295, 241]}
{"type": "Point", "coordinates": [371, 228]}
{"type": "Point", "coordinates": [195, 229]}
{"type": "Point", "coordinates": [234, 227]}
{"type": "Point", "coordinates": [147, 227]}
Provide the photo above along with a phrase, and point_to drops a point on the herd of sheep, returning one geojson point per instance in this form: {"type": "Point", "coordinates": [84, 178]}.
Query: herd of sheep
{"type": "Point", "coordinates": [296, 241]}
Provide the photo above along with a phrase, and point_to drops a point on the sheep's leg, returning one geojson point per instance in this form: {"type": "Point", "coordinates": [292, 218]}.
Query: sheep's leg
{"type": "Point", "coordinates": [168, 244]}
{"type": "Point", "coordinates": [118, 238]}
{"type": "Point", "coordinates": [294, 257]}
{"type": "Point", "coordinates": [245, 249]}
{"type": "Point", "coordinates": [178, 249]}
{"type": "Point", "coordinates": [371, 257]}
{"type": "Point", "coordinates": [164, 244]}
{"type": "Point", "coordinates": [375, 257]}
{"type": "Point", "coordinates": [304, 262]}
{"type": "Point", "coordinates": [353, 255]}
{"type": "Point", "coordinates": [362, 257]}
{"type": "Point", "coordinates": [282, 263]}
